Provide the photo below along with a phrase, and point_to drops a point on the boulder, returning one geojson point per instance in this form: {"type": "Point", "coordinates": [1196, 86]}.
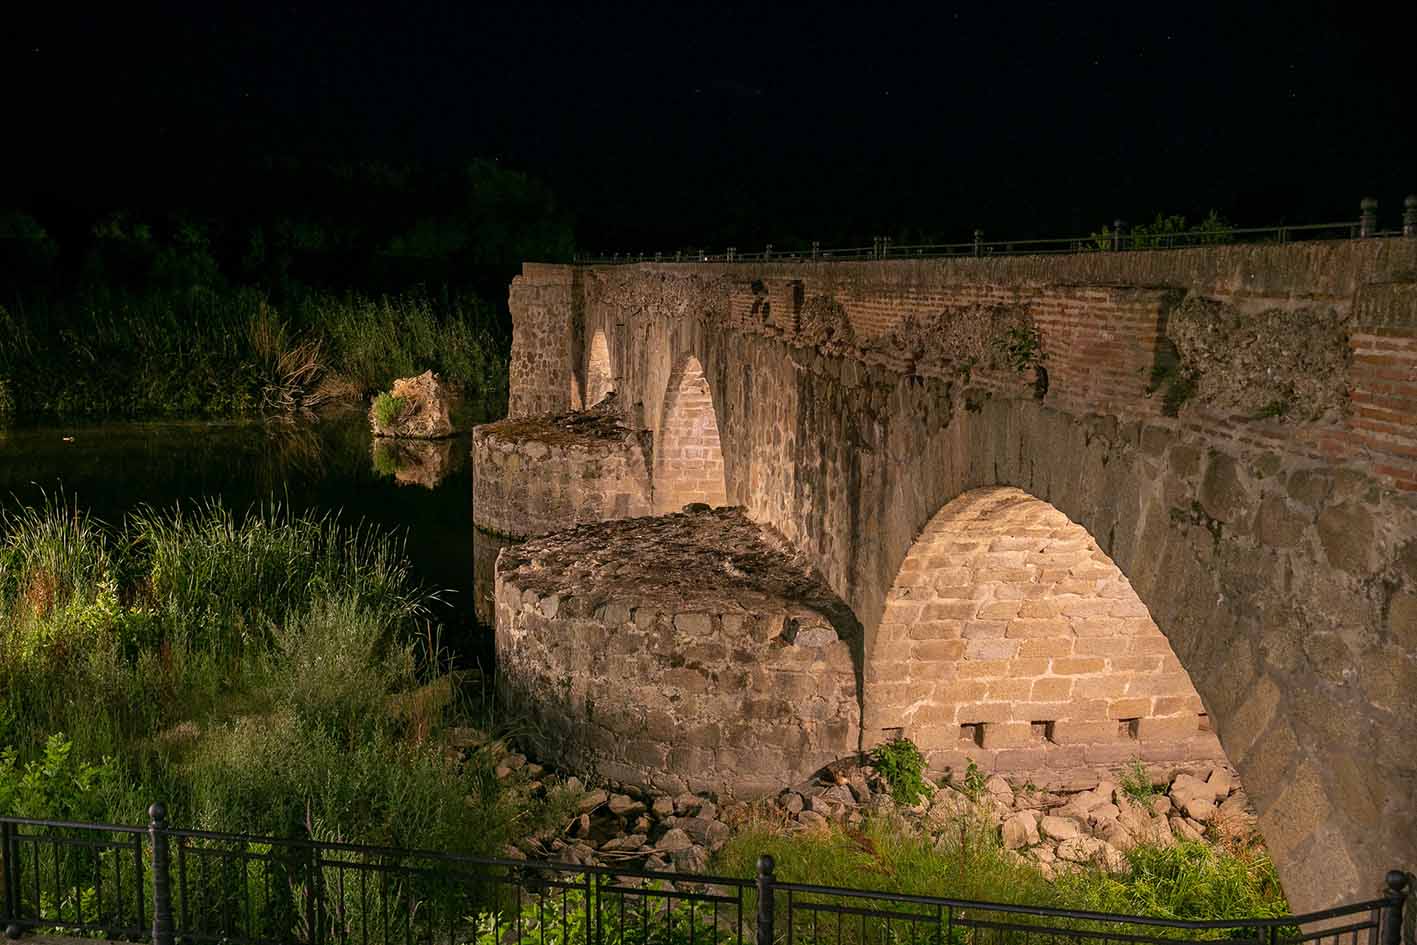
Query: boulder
{"type": "Point", "coordinates": [591, 801]}
{"type": "Point", "coordinates": [812, 820]}
{"type": "Point", "coordinates": [673, 841]}
{"type": "Point", "coordinates": [999, 789]}
{"type": "Point", "coordinates": [691, 860]}
{"type": "Point", "coordinates": [1183, 829]}
{"type": "Point", "coordinates": [1060, 828]}
{"type": "Point", "coordinates": [420, 409]}
{"type": "Point", "coordinates": [622, 805]}
{"type": "Point", "coordinates": [1020, 830]}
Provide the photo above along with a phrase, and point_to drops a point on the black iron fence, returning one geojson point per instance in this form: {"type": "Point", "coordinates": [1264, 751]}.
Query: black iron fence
{"type": "Point", "coordinates": [166, 885]}
{"type": "Point", "coordinates": [1115, 238]}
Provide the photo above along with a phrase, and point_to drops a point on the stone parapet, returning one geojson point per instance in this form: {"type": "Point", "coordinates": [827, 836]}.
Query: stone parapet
{"type": "Point", "coordinates": [689, 651]}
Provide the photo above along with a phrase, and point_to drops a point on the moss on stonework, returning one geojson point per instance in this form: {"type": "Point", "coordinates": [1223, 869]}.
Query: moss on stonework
{"type": "Point", "coordinates": [601, 423]}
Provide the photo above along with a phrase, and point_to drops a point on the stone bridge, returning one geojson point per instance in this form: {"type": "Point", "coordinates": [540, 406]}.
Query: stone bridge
{"type": "Point", "coordinates": [1043, 513]}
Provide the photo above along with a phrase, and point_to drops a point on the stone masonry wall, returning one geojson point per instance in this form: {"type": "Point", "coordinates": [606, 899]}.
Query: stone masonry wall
{"type": "Point", "coordinates": [688, 651]}
{"type": "Point", "coordinates": [537, 475]}
{"type": "Point", "coordinates": [1011, 640]}
{"type": "Point", "coordinates": [1276, 554]}
{"type": "Point", "coordinates": [544, 303]}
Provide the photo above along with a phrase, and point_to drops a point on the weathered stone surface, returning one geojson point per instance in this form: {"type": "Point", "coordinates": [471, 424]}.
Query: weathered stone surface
{"type": "Point", "coordinates": [1060, 828]}
{"type": "Point", "coordinates": [424, 413]}
{"type": "Point", "coordinates": [674, 839]}
{"type": "Point", "coordinates": [536, 475]}
{"type": "Point", "coordinates": [849, 448]}
{"type": "Point", "coordinates": [708, 683]}
{"type": "Point", "coordinates": [1021, 830]}
{"type": "Point", "coordinates": [1288, 363]}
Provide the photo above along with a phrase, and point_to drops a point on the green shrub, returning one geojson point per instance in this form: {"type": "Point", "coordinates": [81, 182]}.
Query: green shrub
{"type": "Point", "coordinates": [903, 767]}
{"type": "Point", "coordinates": [388, 409]}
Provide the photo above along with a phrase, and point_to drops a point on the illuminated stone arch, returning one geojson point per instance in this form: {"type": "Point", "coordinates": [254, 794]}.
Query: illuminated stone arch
{"type": "Point", "coordinates": [1009, 638]}
{"type": "Point", "coordinates": [688, 457]}
{"type": "Point", "coordinates": [600, 378]}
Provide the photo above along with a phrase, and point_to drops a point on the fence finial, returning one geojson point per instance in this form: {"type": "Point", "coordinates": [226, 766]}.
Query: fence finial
{"type": "Point", "coordinates": [766, 906]}
{"type": "Point", "coordinates": [1368, 217]}
{"type": "Point", "coordinates": [1396, 896]}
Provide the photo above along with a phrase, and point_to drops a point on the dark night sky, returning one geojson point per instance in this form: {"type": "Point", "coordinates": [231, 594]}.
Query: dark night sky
{"type": "Point", "coordinates": [710, 123]}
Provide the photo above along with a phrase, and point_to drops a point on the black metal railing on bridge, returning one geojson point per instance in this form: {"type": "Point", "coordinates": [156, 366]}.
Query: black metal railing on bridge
{"type": "Point", "coordinates": [1115, 238]}
{"type": "Point", "coordinates": [166, 885]}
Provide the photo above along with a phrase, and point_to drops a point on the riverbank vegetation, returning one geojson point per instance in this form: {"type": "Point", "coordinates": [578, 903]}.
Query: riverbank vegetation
{"type": "Point", "coordinates": [226, 353]}
{"type": "Point", "coordinates": [278, 675]}
{"type": "Point", "coordinates": [295, 285]}
{"type": "Point", "coordinates": [1187, 880]}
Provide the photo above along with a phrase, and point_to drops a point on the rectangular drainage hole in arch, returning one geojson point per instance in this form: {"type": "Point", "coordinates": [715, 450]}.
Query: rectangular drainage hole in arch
{"type": "Point", "coordinates": [973, 732]}
{"type": "Point", "coordinates": [1043, 731]}
{"type": "Point", "coordinates": [1128, 728]}
{"type": "Point", "coordinates": [1203, 722]}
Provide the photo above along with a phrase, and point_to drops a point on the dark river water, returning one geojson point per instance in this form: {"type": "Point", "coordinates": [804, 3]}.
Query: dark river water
{"type": "Point", "coordinates": [325, 466]}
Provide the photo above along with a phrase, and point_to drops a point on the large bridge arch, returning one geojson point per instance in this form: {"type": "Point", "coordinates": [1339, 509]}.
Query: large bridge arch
{"type": "Point", "coordinates": [1278, 555]}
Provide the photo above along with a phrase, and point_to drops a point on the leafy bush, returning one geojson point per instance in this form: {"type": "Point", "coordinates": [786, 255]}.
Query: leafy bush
{"type": "Point", "coordinates": [388, 409]}
{"type": "Point", "coordinates": [56, 785]}
{"type": "Point", "coordinates": [902, 765]}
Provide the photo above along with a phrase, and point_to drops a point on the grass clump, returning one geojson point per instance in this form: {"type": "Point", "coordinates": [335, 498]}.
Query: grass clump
{"type": "Point", "coordinates": [272, 673]}
{"type": "Point", "coordinates": [388, 409]}
{"type": "Point", "coordinates": [903, 767]}
{"type": "Point", "coordinates": [967, 860]}
{"type": "Point", "coordinates": [1136, 783]}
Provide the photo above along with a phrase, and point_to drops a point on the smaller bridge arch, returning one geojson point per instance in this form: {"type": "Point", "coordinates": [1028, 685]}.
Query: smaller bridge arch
{"type": "Point", "coordinates": [600, 377]}
{"type": "Point", "coordinates": [688, 455]}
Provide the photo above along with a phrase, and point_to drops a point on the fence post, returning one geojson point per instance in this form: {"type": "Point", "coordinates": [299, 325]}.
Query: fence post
{"type": "Point", "coordinates": [1368, 218]}
{"type": "Point", "coordinates": [978, 242]}
{"type": "Point", "coordinates": [1396, 896]}
{"type": "Point", "coordinates": [162, 879]}
{"type": "Point", "coordinates": [767, 251]}
{"type": "Point", "coordinates": [1116, 236]}
{"type": "Point", "coordinates": [885, 246]}
{"type": "Point", "coordinates": [12, 880]}
{"type": "Point", "coordinates": [1409, 215]}
{"type": "Point", "coordinates": [817, 244]}
{"type": "Point", "coordinates": [312, 896]}
{"type": "Point", "coordinates": [766, 881]}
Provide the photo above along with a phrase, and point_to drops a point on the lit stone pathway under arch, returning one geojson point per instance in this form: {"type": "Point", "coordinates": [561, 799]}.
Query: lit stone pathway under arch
{"type": "Point", "coordinates": [688, 458]}
{"type": "Point", "coordinates": [1012, 640]}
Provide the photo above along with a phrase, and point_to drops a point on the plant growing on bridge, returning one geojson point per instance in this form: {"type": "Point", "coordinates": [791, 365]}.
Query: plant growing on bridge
{"type": "Point", "coordinates": [388, 409]}
{"type": "Point", "coordinates": [1136, 783]}
{"type": "Point", "coordinates": [902, 765]}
